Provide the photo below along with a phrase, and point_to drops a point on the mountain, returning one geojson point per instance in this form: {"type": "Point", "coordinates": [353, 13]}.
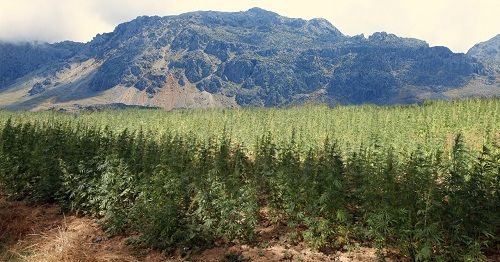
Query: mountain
{"type": "Point", "coordinates": [220, 59]}
{"type": "Point", "coordinates": [488, 53]}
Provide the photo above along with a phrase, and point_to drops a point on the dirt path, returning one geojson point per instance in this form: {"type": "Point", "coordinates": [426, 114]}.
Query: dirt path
{"type": "Point", "coordinates": [43, 233]}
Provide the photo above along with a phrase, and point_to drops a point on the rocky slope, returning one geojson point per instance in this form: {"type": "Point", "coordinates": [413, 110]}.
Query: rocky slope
{"type": "Point", "coordinates": [218, 59]}
{"type": "Point", "coordinates": [488, 53]}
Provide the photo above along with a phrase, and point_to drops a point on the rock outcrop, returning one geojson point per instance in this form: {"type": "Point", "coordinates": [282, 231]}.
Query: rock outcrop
{"type": "Point", "coordinates": [252, 58]}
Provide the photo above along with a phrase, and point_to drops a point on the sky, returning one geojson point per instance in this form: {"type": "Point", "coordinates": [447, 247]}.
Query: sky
{"type": "Point", "coordinates": [457, 24]}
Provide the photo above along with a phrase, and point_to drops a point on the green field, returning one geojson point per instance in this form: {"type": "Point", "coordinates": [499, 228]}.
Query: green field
{"type": "Point", "coordinates": [420, 180]}
{"type": "Point", "coordinates": [404, 127]}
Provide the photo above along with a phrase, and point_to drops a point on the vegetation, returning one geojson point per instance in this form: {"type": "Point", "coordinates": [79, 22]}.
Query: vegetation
{"type": "Point", "coordinates": [421, 180]}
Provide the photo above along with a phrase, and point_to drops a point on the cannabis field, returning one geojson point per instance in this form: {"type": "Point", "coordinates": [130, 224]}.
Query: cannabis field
{"type": "Point", "coordinates": [420, 181]}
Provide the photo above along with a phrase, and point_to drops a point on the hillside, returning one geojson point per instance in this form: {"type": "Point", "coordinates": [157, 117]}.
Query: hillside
{"type": "Point", "coordinates": [219, 59]}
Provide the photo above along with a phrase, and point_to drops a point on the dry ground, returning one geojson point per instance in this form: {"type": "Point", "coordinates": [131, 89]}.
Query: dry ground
{"type": "Point", "coordinates": [43, 233]}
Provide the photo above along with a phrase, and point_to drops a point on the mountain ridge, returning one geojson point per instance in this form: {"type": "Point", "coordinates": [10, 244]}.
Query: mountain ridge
{"type": "Point", "coordinates": [229, 59]}
{"type": "Point", "coordinates": [488, 52]}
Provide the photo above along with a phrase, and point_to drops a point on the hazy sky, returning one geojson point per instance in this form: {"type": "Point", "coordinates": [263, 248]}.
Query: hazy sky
{"type": "Point", "coordinates": [457, 24]}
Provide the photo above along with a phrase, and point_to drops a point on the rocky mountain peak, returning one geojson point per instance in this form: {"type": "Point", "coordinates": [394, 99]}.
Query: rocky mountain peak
{"type": "Point", "coordinates": [250, 58]}
{"type": "Point", "coordinates": [488, 50]}
{"type": "Point", "coordinates": [393, 40]}
{"type": "Point", "coordinates": [261, 12]}
{"type": "Point", "coordinates": [488, 53]}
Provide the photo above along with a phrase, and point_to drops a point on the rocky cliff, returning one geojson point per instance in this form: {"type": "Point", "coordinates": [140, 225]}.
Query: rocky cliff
{"type": "Point", "coordinates": [218, 59]}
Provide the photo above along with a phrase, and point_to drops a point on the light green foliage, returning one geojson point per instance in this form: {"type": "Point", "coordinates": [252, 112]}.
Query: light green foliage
{"type": "Point", "coordinates": [433, 125]}
{"type": "Point", "coordinates": [421, 180]}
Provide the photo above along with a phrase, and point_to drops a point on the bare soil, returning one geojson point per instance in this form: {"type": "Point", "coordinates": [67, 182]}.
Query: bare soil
{"type": "Point", "coordinates": [43, 233]}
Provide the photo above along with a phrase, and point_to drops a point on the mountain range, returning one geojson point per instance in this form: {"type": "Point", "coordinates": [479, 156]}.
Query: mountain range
{"type": "Point", "coordinates": [253, 58]}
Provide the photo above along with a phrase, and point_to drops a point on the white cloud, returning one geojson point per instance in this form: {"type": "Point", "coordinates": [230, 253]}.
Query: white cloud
{"type": "Point", "coordinates": [458, 24]}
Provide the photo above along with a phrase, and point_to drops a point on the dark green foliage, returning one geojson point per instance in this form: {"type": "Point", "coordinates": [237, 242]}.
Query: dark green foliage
{"type": "Point", "coordinates": [30, 161]}
{"type": "Point", "coordinates": [176, 190]}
